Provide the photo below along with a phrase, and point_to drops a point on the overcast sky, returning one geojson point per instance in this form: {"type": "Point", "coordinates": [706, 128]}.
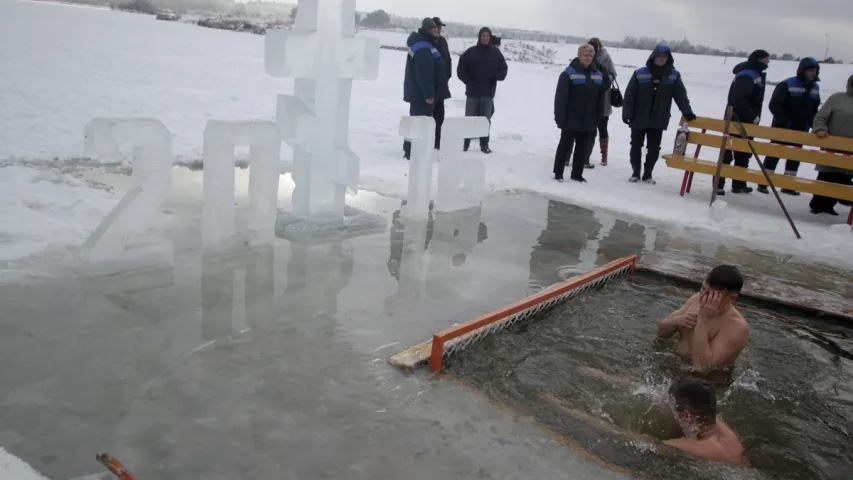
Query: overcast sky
{"type": "Point", "coordinates": [796, 26]}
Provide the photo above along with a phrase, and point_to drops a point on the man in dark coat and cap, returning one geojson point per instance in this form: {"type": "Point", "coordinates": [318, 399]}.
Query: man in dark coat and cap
{"type": "Point", "coordinates": [746, 97]}
{"type": "Point", "coordinates": [444, 50]}
{"type": "Point", "coordinates": [794, 104]}
{"type": "Point", "coordinates": [425, 83]}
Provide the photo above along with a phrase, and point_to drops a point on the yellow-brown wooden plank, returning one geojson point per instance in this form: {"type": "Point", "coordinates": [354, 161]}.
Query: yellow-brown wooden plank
{"type": "Point", "coordinates": [834, 190]}
{"type": "Point", "coordinates": [765, 149]}
{"type": "Point", "coordinates": [413, 357]}
{"type": "Point", "coordinates": [769, 133]}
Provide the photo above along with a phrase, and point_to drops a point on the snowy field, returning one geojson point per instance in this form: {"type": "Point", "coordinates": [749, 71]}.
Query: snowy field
{"type": "Point", "coordinates": [82, 63]}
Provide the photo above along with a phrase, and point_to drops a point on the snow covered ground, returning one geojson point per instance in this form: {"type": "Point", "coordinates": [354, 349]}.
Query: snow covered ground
{"type": "Point", "coordinates": [13, 468]}
{"type": "Point", "coordinates": [82, 63]}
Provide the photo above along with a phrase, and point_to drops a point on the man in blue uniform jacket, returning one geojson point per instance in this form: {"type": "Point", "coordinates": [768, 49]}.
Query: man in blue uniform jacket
{"type": "Point", "coordinates": [794, 104]}
{"type": "Point", "coordinates": [746, 97]}
{"type": "Point", "coordinates": [426, 80]}
{"type": "Point", "coordinates": [648, 102]}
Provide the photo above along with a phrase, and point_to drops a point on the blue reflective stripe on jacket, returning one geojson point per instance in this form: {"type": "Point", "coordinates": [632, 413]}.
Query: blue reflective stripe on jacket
{"type": "Point", "coordinates": [756, 77]}
{"type": "Point", "coordinates": [672, 78]}
{"type": "Point", "coordinates": [643, 75]}
{"type": "Point", "coordinates": [576, 77]}
{"type": "Point", "coordinates": [797, 88]}
{"type": "Point", "coordinates": [421, 45]}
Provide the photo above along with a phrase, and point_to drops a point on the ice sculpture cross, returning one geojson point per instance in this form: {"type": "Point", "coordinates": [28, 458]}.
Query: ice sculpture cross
{"type": "Point", "coordinates": [323, 55]}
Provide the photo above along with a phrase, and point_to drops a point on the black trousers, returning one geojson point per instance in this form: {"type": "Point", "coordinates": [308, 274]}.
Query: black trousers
{"type": "Point", "coordinates": [741, 159]}
{"type": "Point", "coordinates": [569, 140]}
{"type": "Point", "coordinates": [417, 109]}
{"type": "Point", "coordinates": [791, 166]}
{"type": "Point", "coordinates": [438, 115]}
{"type": "Point", "coordinates": [602, 129]}
{"type": "Point", "coordinates": [479, 107]}
{"type": "Point", "coordinates": [638, 138]}
{"type": "Point", "coordinates": [824, 204]}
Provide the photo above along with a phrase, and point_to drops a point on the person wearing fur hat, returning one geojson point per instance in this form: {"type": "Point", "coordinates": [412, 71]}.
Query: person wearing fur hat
{"type": "Point", "coordinates": [480, 68]}
{"type": "Point", "coordinates": [794, 105]}
{"type": "Point", "coordinates": [746, 97]}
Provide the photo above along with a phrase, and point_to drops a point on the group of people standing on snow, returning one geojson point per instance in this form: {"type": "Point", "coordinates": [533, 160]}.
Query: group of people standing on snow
{"type": "Point", "coordinates": [587, 93]}
{"type": "Point", "coordinates": [581, 104]}
{"type": "Point", "coordinates": [795, 105]}
{"type": "Point", "coordinates": [429, 69]}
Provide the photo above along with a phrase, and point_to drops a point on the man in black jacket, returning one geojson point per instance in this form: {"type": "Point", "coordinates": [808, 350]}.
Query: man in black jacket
{"type": "Point", "coordinates": [444, 50]}
{"type": "Point", "coordinates": [425, 83]}
{"type": "Point", "coordinates": [578, 109]}
{"type": "Point", "coordinates": [647, 105]}
{"type": "Point", "coordinates": [746, 97]}
{"type": "Point", "coordinates": [480, 68]}
{"type": "Point", "coordinates": [794, 104]}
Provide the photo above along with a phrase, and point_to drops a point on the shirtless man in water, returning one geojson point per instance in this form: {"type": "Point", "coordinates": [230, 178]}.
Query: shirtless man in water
{"type": "Point", "coordinates": [712, 333]}
{"type": "Point", "coordinates": [706, 436]}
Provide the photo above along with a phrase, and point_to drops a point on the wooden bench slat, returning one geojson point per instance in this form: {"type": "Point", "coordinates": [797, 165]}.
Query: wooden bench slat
{"type": "Point", "coordinates": [779, 134]}
{"type": "Point", "coordinates": [765, 149]}
{"type": "Point", "coordinates": [834, 190]}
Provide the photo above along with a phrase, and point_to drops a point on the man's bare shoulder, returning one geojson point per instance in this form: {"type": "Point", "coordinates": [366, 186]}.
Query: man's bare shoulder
{"type": "Point", "coordinates": [705, 449]}
{"type": "Point", "coordinates": [736, 322]}
{"type": "Point", "coordinates": [693, 300]}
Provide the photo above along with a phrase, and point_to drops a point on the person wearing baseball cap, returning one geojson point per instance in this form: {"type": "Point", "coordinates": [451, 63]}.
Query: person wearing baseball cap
{"type": "Point", "coordinates": [444, 50]}
{"type": "Point", "coordinates": [425, 82]}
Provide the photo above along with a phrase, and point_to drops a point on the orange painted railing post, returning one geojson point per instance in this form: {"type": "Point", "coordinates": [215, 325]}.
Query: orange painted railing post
{"type": "Point", "coordinates": [437, 353]}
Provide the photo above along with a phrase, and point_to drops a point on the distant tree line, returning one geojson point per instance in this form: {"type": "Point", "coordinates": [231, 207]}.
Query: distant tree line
{"type": "Point", "coordinates": [376, 19]}
{"type": "Point", "coordinates": [380, 19]}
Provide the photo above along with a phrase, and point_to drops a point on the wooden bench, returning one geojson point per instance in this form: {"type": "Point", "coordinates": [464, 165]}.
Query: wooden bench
{"type": "Point", "coordinates": [699, 135]}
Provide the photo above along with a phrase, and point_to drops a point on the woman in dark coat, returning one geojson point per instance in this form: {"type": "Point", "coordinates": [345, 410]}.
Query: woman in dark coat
{"type": "Point", "coordinates": [578, 109]}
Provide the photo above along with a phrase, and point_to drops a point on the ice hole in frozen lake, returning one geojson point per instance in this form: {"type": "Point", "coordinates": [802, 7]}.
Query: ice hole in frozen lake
{"type": "Point", "coordinates": [592, 369]}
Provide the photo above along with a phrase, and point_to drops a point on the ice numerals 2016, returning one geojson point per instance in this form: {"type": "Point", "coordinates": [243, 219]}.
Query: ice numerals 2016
{"type": "Point", "coordinates": [220, 138]}
{"type": "Point", "coordinates": [105, 251]}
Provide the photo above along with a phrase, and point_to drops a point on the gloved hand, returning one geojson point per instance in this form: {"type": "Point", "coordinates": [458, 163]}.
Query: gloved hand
{"type": "Point", "coordinates": [690, 117]}
{"type": "Point", "coordinates": [757, 120]}
{"type": "Point", "coordinates": [627, 121]}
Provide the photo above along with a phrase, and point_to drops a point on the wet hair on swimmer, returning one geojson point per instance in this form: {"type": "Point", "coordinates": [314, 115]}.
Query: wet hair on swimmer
{"type": "Point", "coordinates": [697, 397]}
{"type": "Point", "coordinates": [725, 277]}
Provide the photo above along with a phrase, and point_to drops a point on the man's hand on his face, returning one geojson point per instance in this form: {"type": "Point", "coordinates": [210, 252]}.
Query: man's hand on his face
{"type": "Point", "coordinates": [710, 304]}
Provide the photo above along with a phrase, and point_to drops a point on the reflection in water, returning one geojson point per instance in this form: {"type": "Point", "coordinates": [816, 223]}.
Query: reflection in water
{"type": "Point", "coordinates": [266, 391]}
{"type": "Point", "coordinates": [568, 231]}
{"type": "Point", "coordinates": [245, 277]}
{"type": "Point", "coordinates": [448, 238]}
{"type": "Point", "coordinates": [316, 275]}
{"type": "Point", "coordinates": [623, 239]}
{"type": "Point", "coordinates": [455, 235]}
{"type": "Point", "coordinates": [576, 239]}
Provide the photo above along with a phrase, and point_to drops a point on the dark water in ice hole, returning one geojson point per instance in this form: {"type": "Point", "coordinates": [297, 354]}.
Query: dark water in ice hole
{"type": "Point", "coordinates": [789, 398]}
